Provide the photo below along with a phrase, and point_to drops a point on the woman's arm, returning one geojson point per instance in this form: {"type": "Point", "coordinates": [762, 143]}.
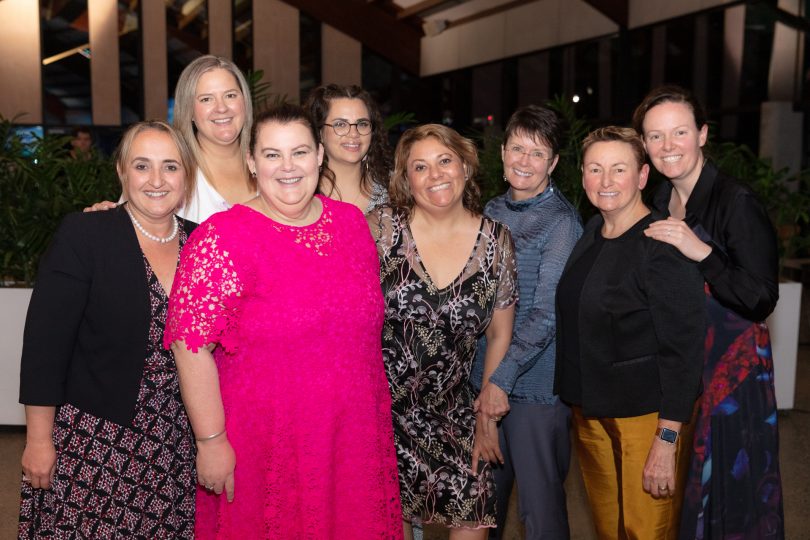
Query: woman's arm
{"type": "Point", "coordinates": [492, 402]}
{"type": "Point", "coordinates": [199, 386]}
{"type": "Point", "coordinates": [39, 456]}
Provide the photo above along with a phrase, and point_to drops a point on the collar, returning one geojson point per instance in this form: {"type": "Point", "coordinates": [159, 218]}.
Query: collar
{"type": "Point", "coordinates": [697, 199]}
{"type": "Point", "coordinates": [531, 202]}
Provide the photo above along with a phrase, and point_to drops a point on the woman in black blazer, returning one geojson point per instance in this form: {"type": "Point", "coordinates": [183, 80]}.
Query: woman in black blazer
{"type": "Point", "coordinates": [630, 347]}
{"type": "Point", "coordinates": [109, 451]}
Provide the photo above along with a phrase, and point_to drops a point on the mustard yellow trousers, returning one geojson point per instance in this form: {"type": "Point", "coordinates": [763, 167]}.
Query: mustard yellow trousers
{"type": "Point", "coordinates": [612, 453]}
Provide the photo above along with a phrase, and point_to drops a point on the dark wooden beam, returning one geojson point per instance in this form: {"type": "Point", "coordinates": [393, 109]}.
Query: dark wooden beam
{"type": "Point", "coordinates": [398, 41]}
{"type": "Point", "coordinates": [616, 10]}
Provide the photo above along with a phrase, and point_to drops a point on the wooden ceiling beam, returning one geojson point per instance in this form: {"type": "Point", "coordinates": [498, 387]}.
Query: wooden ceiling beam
{"type": "Point", "coordinates": [487, 12]}
{"type": "Point", "coordinates": [380, 31]}
{"type": "Point", "coordinates": [420, 7]}
{"type": "Point", "coordinates": [616, 10]}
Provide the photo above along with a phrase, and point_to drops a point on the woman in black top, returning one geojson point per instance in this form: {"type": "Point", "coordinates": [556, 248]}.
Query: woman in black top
{"type": "Point", "coordinates": [109, 450]}
{"type": "Point", "coordinates": [630, 336]}
{"type": "Point", "coordinates": [734, 487]}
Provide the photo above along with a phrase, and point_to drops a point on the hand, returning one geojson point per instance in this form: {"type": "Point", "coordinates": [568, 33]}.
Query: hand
{"type": "Point", "coordinates": [216, 461]}
{"type": "Point", "coordinates": [492, 402]}
{"type": "Point", "coordinates": [485, 443]}
{"type": "Point", "coordinates": [103, 205]}
{"type": "Point", "coordinates": [658, 478]}
{"type": "Point", "coordinates": [39, 463]}
{"type": "Point", "coordinates": [677, 233]}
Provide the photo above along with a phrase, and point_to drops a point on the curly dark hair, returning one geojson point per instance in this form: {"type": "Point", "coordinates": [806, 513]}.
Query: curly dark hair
{"type": "Point", "coordinates": [378, 161]}
{"type": "Point", "coordinates": [399, 190]}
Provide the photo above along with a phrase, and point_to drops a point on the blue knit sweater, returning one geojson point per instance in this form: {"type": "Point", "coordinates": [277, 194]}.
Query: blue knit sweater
{"type": "Point", "coordinates": [544, 229]}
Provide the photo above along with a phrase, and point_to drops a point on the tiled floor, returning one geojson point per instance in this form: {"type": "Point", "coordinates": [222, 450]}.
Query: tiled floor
{"type": "Point", "coordinates": [794, 428]}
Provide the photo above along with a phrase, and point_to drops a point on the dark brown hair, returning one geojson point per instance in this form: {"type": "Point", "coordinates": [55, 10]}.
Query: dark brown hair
{"type": "Point", "coordinates": [668, 94]}
{"type": "Point", "coordinates": [284, 113]}
{"type": "Point", "coordinates": [538, 123]}
{"type": "Point", "coordinates": [378, 158]}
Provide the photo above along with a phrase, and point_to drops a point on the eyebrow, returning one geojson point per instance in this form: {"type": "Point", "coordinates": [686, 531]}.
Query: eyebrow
{"type": "Point", "coordinates": [305, 145]}
{"type": "Point", "coordinates": [144, 158]}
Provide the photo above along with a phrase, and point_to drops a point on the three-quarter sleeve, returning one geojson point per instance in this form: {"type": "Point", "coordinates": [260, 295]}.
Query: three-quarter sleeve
{"type": "Point", "coordinates": [54, 316]}
{"type": "Point", "coordinates": [207, 289]}
{"type": "Point", "coordinates": [743, 273]}
{"type": "Point", "coordinates": [677, 307]}
{"type": "Point", "coordinates": [506, 293]}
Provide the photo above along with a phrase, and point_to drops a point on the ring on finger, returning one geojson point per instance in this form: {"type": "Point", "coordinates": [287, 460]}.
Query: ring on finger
{"type": "Point", "coordinates": [209, 487]}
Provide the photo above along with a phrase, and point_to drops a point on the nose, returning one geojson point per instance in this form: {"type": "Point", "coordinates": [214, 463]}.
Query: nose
{"type": "Point", "coordinates": [220, 105]}
{"type": "Point", "coordinates": [524, 158]}
{"type": "Point", "coordinates": [666, 143]}
{"type": "Point", "coordinates": [156, 177]}
{"type": "Point", "coordinates": [287, 163]}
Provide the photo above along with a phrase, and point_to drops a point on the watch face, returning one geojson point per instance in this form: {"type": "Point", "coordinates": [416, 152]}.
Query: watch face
{"type": "Point", "coordinates": [669, 435]}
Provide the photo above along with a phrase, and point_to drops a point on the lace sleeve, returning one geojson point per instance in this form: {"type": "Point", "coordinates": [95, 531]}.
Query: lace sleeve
{"type": "Point", "coordinates": [205, 295]}
{"type": "Point", "coordinates": [507, 292]}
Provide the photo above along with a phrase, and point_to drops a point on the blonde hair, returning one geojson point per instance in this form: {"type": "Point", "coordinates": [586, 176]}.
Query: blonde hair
{"type": "Point", "coordinates": [617, 134]}
{"type": "Point", "coordinates": [399, 190]}
{"type": "Point", "coordinates": [184, 95]}
{"type": "Point", "coordinates": [121, 155]}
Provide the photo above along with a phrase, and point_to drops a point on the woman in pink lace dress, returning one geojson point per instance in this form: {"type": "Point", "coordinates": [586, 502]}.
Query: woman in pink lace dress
{"type": "Point", "coordinates": [291, 412]}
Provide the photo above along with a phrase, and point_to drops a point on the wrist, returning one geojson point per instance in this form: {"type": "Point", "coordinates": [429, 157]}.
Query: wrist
{"type": "Point", "coordinates": [667, 435]}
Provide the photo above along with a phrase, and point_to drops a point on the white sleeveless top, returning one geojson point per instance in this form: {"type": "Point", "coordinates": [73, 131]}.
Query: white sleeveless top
{"type": "Point", "coordinates": [205, 201]}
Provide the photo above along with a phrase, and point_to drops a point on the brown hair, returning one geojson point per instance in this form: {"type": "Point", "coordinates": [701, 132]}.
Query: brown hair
{"type": "Point", "coordinates": [284, 113]}
{"type": "Point", "coordinates": [538, 123]}
{"type": "Point", "coordinates": [616, 134]}
{"type": "Point", "coordinates": [121, 155]}
{"type": "Point", "coordinates": [668, 94]}
{"type": "Point", "coordinates": [378, 158]}
{"type": "Point", "coordinates": [399, 190]}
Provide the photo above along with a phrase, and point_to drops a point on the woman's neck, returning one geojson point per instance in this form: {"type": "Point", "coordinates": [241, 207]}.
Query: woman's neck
{"type": "Point", "coordinates": [348, 178]}
{"type": "Point", "coordinates": [683, 187]}
{"type": "Point", "coordinates": [617, 224]}
{"type": "Point", "coordinates": [442, 219]}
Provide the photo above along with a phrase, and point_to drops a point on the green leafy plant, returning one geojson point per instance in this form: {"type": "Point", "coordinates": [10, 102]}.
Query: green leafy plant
{"type": "Point", "coordinates": [39, 184]}
{"type": "Point", "coordinates": [260, 93]}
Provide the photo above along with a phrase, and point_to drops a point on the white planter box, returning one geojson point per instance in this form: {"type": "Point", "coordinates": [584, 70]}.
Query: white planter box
{"type": "Point", "coordinates": [13, 307]}
{"type": "Point", "coordinates": [784, 327]}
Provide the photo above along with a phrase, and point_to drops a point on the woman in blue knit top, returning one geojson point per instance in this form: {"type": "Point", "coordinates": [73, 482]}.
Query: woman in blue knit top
{"type": "Point", "coordinates": [534, 436]}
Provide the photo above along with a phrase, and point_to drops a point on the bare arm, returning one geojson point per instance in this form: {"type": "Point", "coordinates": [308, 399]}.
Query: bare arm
{"type": "Point", "coordinates": [492, 402]}
{"type": "Point", "coordinates": [199, 386]}
{"type": "Point", "coordinates": [39, 456]}
{"type": "Point", "coordinates": [658, 478]}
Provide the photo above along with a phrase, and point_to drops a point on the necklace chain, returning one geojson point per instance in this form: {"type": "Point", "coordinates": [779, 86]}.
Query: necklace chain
{"type": "Point", "coordinates": [150, 236]}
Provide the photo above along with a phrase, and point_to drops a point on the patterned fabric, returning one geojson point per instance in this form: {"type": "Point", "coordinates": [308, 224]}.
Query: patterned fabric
{"type": "Point", "coordinates": [429, 342]}
{"type": "Point", "coordinates": [379, 197]}
{"type": "Point", "coordinates": [734, 488]}
{"type": "Point", "coordinates": [115, 481]}
{"type": "Point", "coordinates": [297, 313]}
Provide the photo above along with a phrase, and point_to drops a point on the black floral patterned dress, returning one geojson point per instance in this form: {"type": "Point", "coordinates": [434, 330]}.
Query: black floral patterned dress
{"type": "Point", "coordinates": [429, 342]}
{"type": "Point", "coordinates": [115, 481]}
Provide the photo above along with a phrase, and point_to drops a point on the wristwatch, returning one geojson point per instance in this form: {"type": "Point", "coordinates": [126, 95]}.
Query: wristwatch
{"type": "Point", "coordinates": [667, 435]}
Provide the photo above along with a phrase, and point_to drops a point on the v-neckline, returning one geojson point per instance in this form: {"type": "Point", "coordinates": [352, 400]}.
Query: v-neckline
{"type": "Point", "coordinates": [460, 274]}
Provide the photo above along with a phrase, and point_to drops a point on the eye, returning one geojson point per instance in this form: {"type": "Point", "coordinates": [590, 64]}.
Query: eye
{"type": "Point", "coordinates": [205, 99]}
{"type": "Point", "coordinates": [538, 155]}
{"type": "Point", "coordinates": [340, 124]}
{"type": "Point", "coordinates": [680, 132]}
{"type": "Point", "coordinates": [171, 167]}
{"type": "Point", "coordinates": [446, 161]}
{"type": "Point", "coordinates": [418, 167]}
{"type": "Point", "coordinates": [516, 149]}
{"type": "Point", "coordinates": [141, 167]}
{"type": "Point", "coordinates": [594, 170]}
{"type": "Point", "coordinates": [653, 137]}
{"type": "Point", "coordinates": [301, 153]}
{"type": "Point", "coordinates": [232, 95]}
{"type": "Point", "coordinates": [363, 124]}
{"type": "Point", "coordinates": [620, 170]}
{"type": "Point", "coordinates": [272, 155]}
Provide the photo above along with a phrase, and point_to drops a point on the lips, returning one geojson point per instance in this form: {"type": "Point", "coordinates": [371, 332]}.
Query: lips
{"type": "Point", "coordinates": [155, 194]}
{"type": "Point", "coordinates": [290, 181]}
{"type": "Point", "coordinates": [608, 193]}
{"type": "Point", "coordinates": [523, 174]}
{"type": "Point", "coordinates": [439, 187]}
{"type": "Point", "coordinates": [671, 159]}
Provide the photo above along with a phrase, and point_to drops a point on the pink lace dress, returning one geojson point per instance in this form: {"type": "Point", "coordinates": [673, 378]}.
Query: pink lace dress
{"type": "Point", "coordinates": [297, 315]}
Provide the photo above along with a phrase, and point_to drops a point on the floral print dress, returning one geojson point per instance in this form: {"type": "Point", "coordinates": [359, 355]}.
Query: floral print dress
{"type": "Point", "coordinates": [429, 343]}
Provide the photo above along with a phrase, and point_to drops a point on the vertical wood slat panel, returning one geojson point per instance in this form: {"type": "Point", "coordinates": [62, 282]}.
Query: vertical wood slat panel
{"type": "Point", "coordinates": [155, 63]}
{"type": "Point", "coordinates": [105, 76]}
{"type": "Point", "coordinates": [341, 57]}
{"type": "Point", "coordinates": [21, 70]}
{"type": "Point", "coordinates": [276, 46]}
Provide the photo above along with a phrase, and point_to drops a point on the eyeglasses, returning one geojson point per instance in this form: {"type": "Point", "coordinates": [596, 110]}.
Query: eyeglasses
{"type": "Point", "coordinates": [342, 127]}
{"type": "Point", "coordinates": [518, 152]}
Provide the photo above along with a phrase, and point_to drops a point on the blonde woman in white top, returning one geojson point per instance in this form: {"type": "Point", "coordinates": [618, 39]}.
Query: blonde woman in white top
{"type": "Point", "coordinates": [213, 112]}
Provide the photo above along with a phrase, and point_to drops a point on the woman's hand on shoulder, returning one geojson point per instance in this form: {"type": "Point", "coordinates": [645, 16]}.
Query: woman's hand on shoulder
{"type": "Point", "coordinates": [103, 205]}
{"type": "Point", "coordinates": [39, 463]}
{"type": "Point", "coordinates": [677, 233]}
{"type": "Point", "coordinates": [216, 461]}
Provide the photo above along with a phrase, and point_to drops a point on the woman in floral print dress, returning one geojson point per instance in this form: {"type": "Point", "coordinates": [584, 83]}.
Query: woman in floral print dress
{"type": "Point", "coordinates": [448, 275]}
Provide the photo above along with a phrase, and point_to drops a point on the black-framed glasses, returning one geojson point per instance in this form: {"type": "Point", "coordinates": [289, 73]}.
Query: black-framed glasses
{"type": "Point", "coordinates": [342, 127]}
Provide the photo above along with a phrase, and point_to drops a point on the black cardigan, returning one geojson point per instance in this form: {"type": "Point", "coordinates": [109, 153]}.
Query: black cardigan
{"type": "Point", "coordinates": [88, 321]}
{"type": "Point", "coordinates": [642, 321]}
{"type": "Point", "coordinates": [743, 268]}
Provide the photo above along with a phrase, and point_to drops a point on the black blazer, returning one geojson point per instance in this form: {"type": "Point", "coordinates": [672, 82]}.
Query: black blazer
{"type": "Point", "coordinates": [642, 321]}
{"type": "Point", "coordinates": [88, 321]}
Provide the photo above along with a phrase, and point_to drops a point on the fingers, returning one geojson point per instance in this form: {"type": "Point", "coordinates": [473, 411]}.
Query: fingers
{"type": "Point", "coordinates": [229, 487]}
{"type": "Point", "coordinates": [476, 455]}
{"type": "Point", "coordinates": [476, 405]}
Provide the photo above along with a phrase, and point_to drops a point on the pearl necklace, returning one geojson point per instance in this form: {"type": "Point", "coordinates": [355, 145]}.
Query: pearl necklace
{"type": "Point", "coordinates": [151, 236]}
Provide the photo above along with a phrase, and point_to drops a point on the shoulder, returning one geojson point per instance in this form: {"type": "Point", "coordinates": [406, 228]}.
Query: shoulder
{"type": "Point", "coordinates": [97, 225]}
{"type": "Point", "coordinates": [341, 211]}
{"type": "Point", "coordinates": [495, 205]}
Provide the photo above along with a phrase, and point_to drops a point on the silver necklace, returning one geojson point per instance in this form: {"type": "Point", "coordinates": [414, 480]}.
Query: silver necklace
{"type": "Point", "coordinates": [151, 236]}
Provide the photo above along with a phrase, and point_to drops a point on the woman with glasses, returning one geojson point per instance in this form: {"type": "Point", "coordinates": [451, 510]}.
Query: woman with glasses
{"type": "Point", "coordinates": [534, 436]}
{"type": "Point", "coordinates": [357, 159]}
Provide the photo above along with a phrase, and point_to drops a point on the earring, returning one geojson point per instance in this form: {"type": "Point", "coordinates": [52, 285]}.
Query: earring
{"type": "Point", "coordinates": [505, 179]}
